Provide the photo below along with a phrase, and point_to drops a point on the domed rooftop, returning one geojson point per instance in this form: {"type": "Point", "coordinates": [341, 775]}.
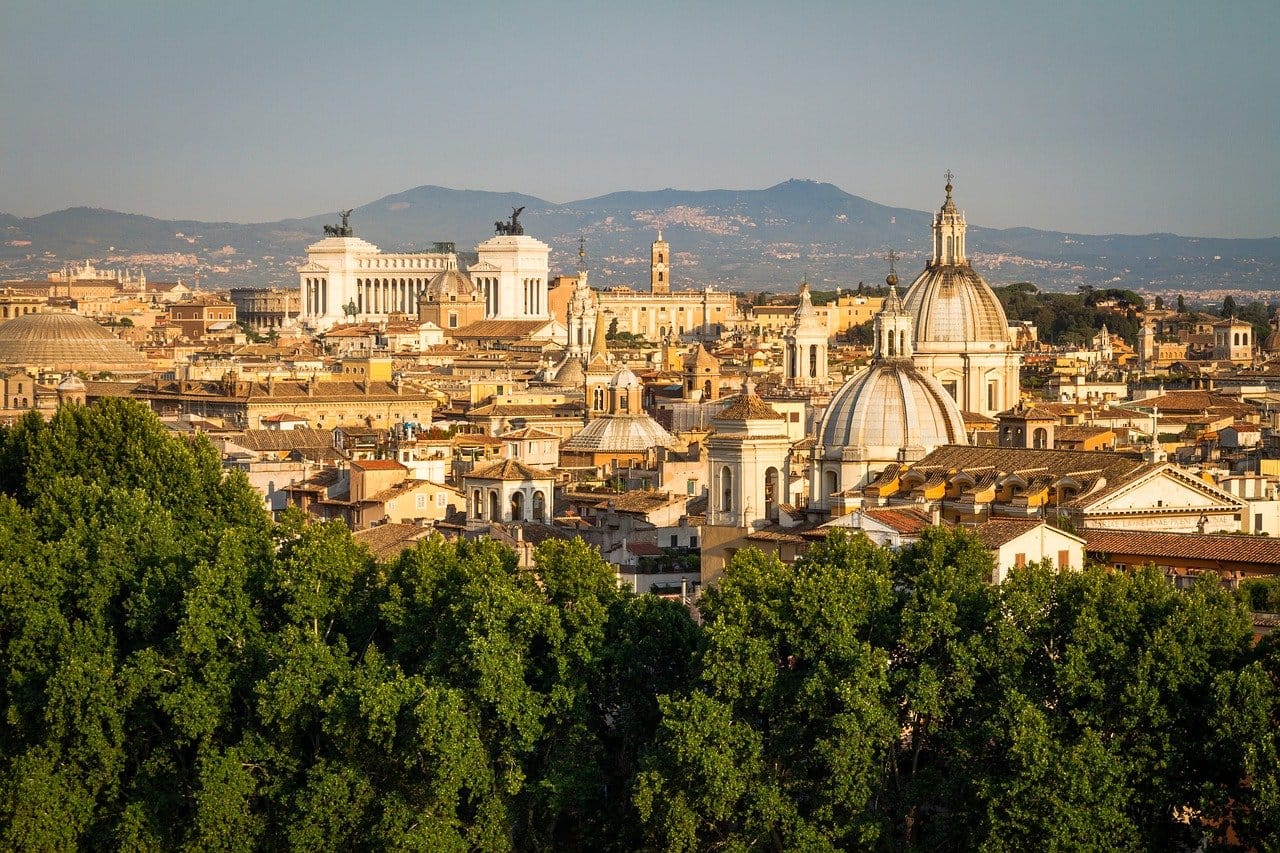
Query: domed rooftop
{"type": "Point", "coordinates": [619, 434]}
{"type": "Point", "coordinates": [1272, 344]}
{"type": "Point", "coordinates": [59, 341]}
{"type": "Point", "coordinates": [891, 405]}
{"type": "Point", "coordinates": [953, 306]}
{"type": "Point", "coordinates": [450, 283]}
{"type": "Point", "coordinates": [624, 378]}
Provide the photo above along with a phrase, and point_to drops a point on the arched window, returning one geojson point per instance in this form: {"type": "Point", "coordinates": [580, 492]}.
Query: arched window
{"type": "Point", "coordinates": [539, 507]}
{"type": "Point", "coordinates": [831, 483]}
{"type": "Point", "coordinates": [494, 514]}
{"type": "Point", "coordinates": [1040, 438]}
{"type": "Point", "coordinates": [771, 493]}
{"type": "Point", "coordinates": [597, 400]}
{"type": "Point", "coordinates": [659, 276]}
{"type": "Point", "coordinates": [660, 256]}
{"type": "Point", "coordinates": [706, 390]}
{"type": "Point", "coordinates": [517, 506]}
{"type": "Point", "coordinates": [813, 361]}
{"type": "Point", "coordinates": [726, 489]}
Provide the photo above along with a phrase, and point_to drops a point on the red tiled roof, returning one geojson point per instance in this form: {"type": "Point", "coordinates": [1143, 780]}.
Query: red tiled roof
{"type": "Point", "coordinates": [377, 465]}
{"type": "Point", "coordinates": [1260, 550]}
{"type": "Point", "coordinates": [644, 549]}
{"type": "Point", "coordinates": [509, 469]}
{"type": "Point", "coordinates": [904, 520]}
{"type": "Point", "coordinates": [749, 407]}
{"type": "Point", "coordinates": [999, 531]}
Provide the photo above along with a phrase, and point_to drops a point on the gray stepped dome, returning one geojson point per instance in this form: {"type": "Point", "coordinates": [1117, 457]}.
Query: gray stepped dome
{"type": "Point", "coordinates": [60, 341]}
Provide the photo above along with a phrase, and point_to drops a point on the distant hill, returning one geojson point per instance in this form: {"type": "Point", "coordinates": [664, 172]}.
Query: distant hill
{"type": "Point", "coordinates": [741, 239]}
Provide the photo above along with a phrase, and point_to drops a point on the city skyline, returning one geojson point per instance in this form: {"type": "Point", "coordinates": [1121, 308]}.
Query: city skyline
{"type": "Point", "coordinates": [1147, 118]}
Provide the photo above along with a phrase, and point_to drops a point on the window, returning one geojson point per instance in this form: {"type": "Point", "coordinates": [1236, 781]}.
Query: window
{"type": "Point", "coordinates": [689, 486]}
{"type": "Point", "coordinates": [1020, 560]}
{"type": "Point", "coordinates": [1064, 559]}
{"type": "Point", "coordinates": [693, 541]}
{"type": "Point", "coordinates": [675, 541]}
{"type": "Point", "coordinates": [422, 501]}
{"type": "Point", "coordinates": [1257, 522]}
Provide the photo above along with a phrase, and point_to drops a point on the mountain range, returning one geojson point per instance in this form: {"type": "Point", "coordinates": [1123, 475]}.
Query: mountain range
{"type": "Point", "coordinates": [767, 239]}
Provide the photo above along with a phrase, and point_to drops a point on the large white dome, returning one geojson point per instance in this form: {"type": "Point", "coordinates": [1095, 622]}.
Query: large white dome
{"type": "Point", "coordinates": [889, 406]}
{"type": "Point", "coordinates": [953, 308]}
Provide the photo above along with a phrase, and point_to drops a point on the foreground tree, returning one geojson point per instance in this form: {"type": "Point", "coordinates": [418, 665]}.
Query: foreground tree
{"type": "Point", "coordinates": [179, 671]}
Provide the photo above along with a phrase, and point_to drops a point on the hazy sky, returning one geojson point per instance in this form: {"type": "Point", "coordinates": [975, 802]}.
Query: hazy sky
{"type": "Point", "coordinates": [1112, 116]}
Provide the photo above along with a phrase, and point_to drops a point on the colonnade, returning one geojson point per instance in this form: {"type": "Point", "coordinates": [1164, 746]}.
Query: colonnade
{"type": "Point", "coordinates": [389, 295]}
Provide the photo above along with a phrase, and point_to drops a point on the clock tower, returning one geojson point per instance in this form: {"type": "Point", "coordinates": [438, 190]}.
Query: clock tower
{"type": "Point", "coordinates": [660, 266]}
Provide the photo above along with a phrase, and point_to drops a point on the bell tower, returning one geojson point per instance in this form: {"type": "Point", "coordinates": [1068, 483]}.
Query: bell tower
{"type": "Point", "coordinates": [749, 457]}
{"type": "Point", "coordinates": [805, 346]}
{"type": "Point", "coordinates": [660, 266]}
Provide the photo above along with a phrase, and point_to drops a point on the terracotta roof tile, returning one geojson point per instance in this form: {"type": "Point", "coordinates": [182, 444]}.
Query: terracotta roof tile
{"type": "Point", "coordinates": [1261, 550]}
{"type": "Point", "coordinates": [904, 520]}
{"type": "Point", "coordinates": [749, 407]}
{"type": "Point", "coordinates": [998, 531]}
{"type": "Point", "coordinates": [388, 540]}
{"type": "Point", "coordinates": [377, 465]}
{"type": "Point", "coordinates": [509, 469]}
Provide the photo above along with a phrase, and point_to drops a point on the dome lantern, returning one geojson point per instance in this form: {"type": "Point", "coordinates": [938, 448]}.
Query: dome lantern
{"type": "Point", "coordinates": [948, 233]}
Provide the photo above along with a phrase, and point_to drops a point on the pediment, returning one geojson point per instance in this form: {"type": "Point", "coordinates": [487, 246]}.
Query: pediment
{"type": "Point", "coordinates": [312, 266]}
{"type": "Point", "coordinates": [1164, 488]}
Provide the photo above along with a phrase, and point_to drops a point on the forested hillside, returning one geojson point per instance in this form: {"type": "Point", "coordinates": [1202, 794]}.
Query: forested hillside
{"type": "Point", "coordinates": [181, 672]}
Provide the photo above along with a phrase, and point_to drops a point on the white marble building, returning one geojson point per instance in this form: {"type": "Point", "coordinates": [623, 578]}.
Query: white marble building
{"type": "Point", "coordinates": [512, 273]}
{"type": "Point", "coordinates": [348, 279]}
{"type": "Point", "coordinates": [345, 272]}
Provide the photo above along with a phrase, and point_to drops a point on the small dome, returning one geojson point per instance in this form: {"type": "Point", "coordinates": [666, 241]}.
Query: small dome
{"type": "Point", "coordinates": [71, 383]}
{"type": "Point", "coordinates": [951, 305]}
{"type": "Point", "coordinates": [450, 283]}
{"type": "Point", "coordinates": [624, 378]}
{"type": "Point", "coordinates": [634, 433]}
{"type": "Point", "coordinates": [891, 404]}
{"type": "Point", "coordinates": [64, 342]}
